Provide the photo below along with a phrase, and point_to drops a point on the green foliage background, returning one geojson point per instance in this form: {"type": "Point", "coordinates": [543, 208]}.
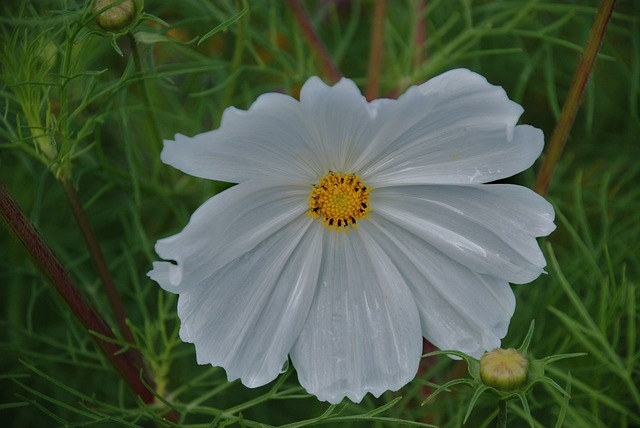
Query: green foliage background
{"type": "Point", "coordinates": [65, 81]}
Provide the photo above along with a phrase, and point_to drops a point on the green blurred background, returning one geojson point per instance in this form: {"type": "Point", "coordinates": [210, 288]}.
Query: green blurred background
{"type": "Point", "coordinates": [66, 81]}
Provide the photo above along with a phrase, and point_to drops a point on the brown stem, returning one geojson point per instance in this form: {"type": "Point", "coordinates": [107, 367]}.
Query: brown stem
{"type": "Point", "coordinates": [571, 104]}
{"type": "Point", "coordinates": [420, 35]}
{"type": "Point", "coordinates": [58, 276]}
{"type": "Point", "coordinates": [306, 26]}
{"type": "Point", "coordinates": [103, 271]}
{"type": "Point", "coordinates": [375, 54]}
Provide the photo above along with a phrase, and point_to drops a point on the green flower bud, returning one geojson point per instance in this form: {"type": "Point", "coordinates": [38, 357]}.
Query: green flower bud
{"type": "Point", "coordinates": [117, 17]}
{"type": "Point", "coordinates": [508, 373]}
{"type": "Point", "coordinates": [504, 369]}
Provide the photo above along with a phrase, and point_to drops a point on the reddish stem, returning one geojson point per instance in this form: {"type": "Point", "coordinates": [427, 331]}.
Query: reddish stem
{"type": "Point", "coordinates": [96, 255]}
{"type": "Point", "coordinates": [103, 272]}
{"type": "Point", "coordinates": [572, 103]}
{"type": "Point", "coordinates": [420, 34]}
{"type": "Point", "coordinates": [47, 262]}
{"type": "Point", "coordinates": [375, 55]}
{"type": "Point", "coordinates": [306, 26]}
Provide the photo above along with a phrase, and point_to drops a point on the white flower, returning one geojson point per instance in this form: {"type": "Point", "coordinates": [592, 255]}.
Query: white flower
{"type": "Point", "coordinates": [266, 269]}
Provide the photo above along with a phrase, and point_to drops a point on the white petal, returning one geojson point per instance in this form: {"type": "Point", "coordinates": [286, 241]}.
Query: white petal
{"type": "Point", "coordinates": [269, 139]}
{"type": "Point", "coordinates": [279, 136]}
{"type": "Point", "coordinates": [515, 214]}
{"type": "Point", "coordinates": [523, 206]}
{"type": "Point", "coordinates": [454, 129]}
{"type": "Point", "coordinates": [486, 239]}
{"type": "Point", "coordinates": [459, 309]}
{"type": "Point", "coordinates": [340, 123]}
{"type": "Point", "coordinates": [167, 274]}
{"type": "Point", "coordinates": [246, 316]}
{"type": "Point", "coordinates": [363, 331]}
{"type": "Point", "coordinates": [225, 227]}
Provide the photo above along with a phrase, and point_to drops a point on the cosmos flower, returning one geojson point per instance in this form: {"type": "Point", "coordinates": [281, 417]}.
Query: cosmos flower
{"type": "Point", "coordinates": [356, 229]}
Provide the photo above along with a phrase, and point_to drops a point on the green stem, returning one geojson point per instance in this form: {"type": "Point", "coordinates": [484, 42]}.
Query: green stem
{"type": "Point", "coordinates": [376, 49]}
{"type": "Point", "coordinates": [157, 139]}
{"type": "Point", "coordinates": [306, 26]}
{"type": "Point", "coordinates": [237, 57]}
{"type": "Point", "coordinates": [502, 414]}
{"type": "Point", "coordinates": [572, 103]}
{"type": "Point", "coordinates": [58, 276]}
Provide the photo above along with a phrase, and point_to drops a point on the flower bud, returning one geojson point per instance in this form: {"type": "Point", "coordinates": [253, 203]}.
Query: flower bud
{"type": "Point", "coordinates": [504, 369]}
{"type": "Point", "coordinates": [117, 17]}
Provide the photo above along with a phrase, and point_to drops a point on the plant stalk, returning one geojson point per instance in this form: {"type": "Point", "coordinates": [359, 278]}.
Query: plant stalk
{"type": "Point", "coordinates": [572, 103]}
{"type": "Point", "coordinates": [103, 272]}
{"type": "Point", "coordinates": [420, 36]}
{"type": "Point", "coordinates": [306, 26]}
{"type": "Point", "coordinates": [502, 414]}
{"type": "Point", "coordinates": [376, 50]}
{"type": "Point", "coordinates": [157, 138]}
{"type": "Point", "coordinates": [60, 278]}
{"type": "Point", "coordinates": [236, 60]}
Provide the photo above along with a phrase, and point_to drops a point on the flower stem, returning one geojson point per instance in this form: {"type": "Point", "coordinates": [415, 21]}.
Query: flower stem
{"type": "Point", "coordinates": [236, 60]}
{"type": "Point", "coordinates": [419, 49]}
{"type": "Point", "coordinates": [420, 36]}
{"type": "Point", "coordinates": [157, 139]}
{"type": "Point", "coordinates": [570, 108]}
{"type": "Point", "coordinates": [502, 414]}
{"type": "Point", "coordinates": [103, 271]}
{"type": "Point", "coordinates": [376, 49]}
{"type": "Point", "coordinates": [58, 276]}
{"type": "Point", "coordinates": [306, 26]}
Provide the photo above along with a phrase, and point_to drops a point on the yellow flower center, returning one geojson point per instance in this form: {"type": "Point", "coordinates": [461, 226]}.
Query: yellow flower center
{"type": "Point", "coordinates": [338, 200]}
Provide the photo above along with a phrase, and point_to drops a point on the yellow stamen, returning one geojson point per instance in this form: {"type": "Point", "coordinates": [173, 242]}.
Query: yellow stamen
{"type": "Point", "coordinates": [338, 200]}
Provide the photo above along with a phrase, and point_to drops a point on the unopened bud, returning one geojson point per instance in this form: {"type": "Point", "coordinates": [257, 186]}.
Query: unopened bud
{"type": "Point", "coordinates": [117, 17]}
{"type": "Point", "coordinates": [504, 369]}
